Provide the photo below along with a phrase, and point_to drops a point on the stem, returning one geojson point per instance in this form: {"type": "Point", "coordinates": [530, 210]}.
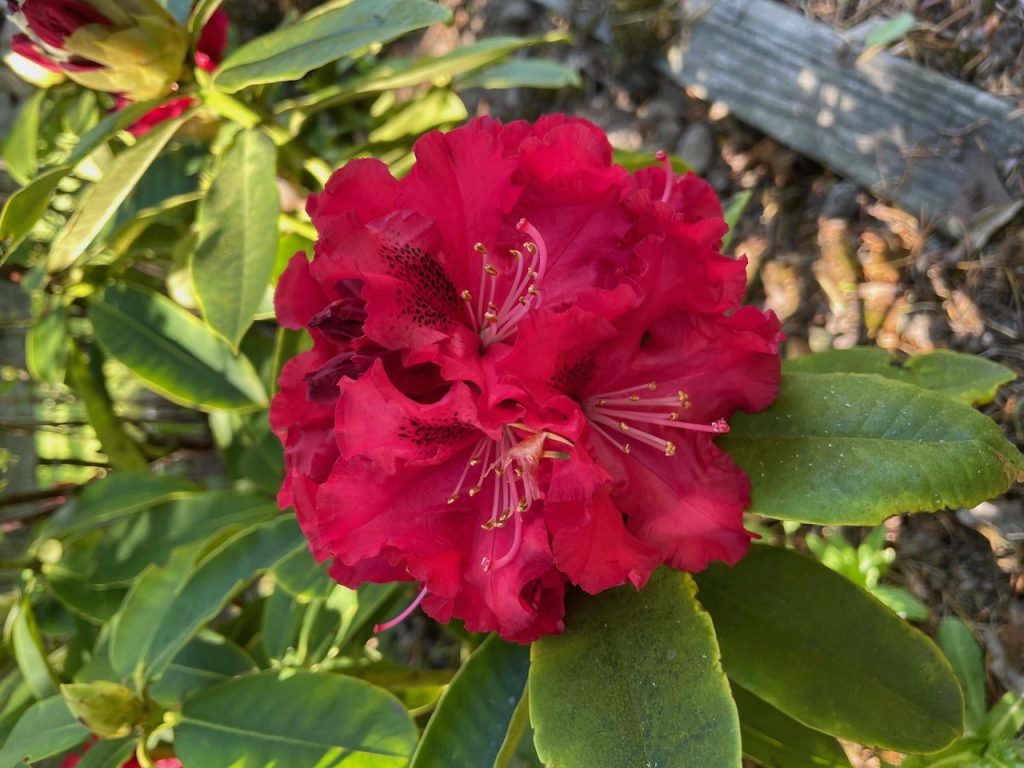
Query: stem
{"type": "Point", "coordinates": [308, 621]}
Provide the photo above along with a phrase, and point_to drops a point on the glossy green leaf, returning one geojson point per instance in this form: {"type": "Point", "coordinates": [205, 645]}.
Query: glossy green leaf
{"type": "Point", "coordinates": [173, 352]}
{"type": "Point", "coordinates": [634, 161]}
{"type": "Point", "coordinates": [81, 599]}
{"type": "Point", "coordinates": [823, 651]}
{"type": "Point", "coordinates": [291, 52]}
{"type": "Point", "coordinates": [46, 345]}
{"type": "Point", "coordinates": [47, 728]}
{"type": "Point", "coordinates": [237, 223]}
{"type": "Point", "coordinates": [157, 621]}
{"type": "Point", "coordinates": [436, 108]}
{"type": "Point", "coordinates": [524, 73]}
{"type": "Point", "coordinates": [24, 208]}
{"type": "Point", "coordinates": [21, 144]}
{"type": "Point", "coordinates": [468, 727]}
{"type": "Point", "coordinates": [207, 660]}
{"type": "Point", "coordinates": [86, 378]}
{"type": "Point", "coordinates": [892, 30]}
{"type": "Point", "coordinates": [108, 753]}
{"type": "Point", "coordinates": [964, 654]}
{"type": "Point", "coordinates": [149, 536]}
{"type": "Point", "coordinates": [294, 718]}
{"type": "Point", "coordinates": [102, 200]}
{"type": "Point", "coordinates": [389, 75]}
{"type": "Point", "coordinates": [111, 498]}
{"type": "Point", "coordinates": [302, 576]}
{"type": "Point", "coordinates": [279, 627]}
{"type": "Point", "coordinates": [776, 740]}
{"type": "Point", "coordinates": [634, 680]}
{"type": "Point", "coordinates": [30, 653]}
{"type": "Point", "coordinates": [144, 607]}
{"type": "Point", "coordinates": [15, 697]}
{"type": "Point", "coordinates": [966, 378]}
{"type": "Point", "coordinates": [853, 449]}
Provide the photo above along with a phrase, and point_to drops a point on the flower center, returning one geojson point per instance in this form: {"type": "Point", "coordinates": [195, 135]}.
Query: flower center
{"type": "Point", "coordinates": [497, 322]}
{"type": "Point", "coordinates": [623, 410]}
{"type": "Point", "coordinates": [511, 466]}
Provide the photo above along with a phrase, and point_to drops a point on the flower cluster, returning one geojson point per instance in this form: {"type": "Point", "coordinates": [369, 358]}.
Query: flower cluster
{"type": "Point", "coordinates": [134, 49]}
{"type": "Point", "coordinates": [521, 356]}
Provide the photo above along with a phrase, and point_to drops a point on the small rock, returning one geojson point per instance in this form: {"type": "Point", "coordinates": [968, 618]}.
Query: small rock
{"type": "Point", "coordinates": [841, 202]}
{"type": "Point", "coordinates": [697, 147]}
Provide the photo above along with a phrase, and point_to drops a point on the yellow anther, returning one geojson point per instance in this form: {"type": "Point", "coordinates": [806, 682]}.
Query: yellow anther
{"type": "Point", "coordinates": [623, 426]}
{"type": "Point", "coordinates": [670, 448]}
{"type": "Point", "coordinates": [466, 296]}
{"type": "Point", "coordinates": [480, 248]}
{"type": "Point", "coordinates": [523, 505]}
{"type": "Point", "coordinates": [453, 498]}
{"type": "Point", "coordinates": [530, 248]}
{"type": "Point", "coordinates": [474, 490]}
{"type": "Point", "coordinates": [491, 270]}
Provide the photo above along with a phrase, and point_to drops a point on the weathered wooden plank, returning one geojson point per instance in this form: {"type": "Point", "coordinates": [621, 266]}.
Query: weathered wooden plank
{"type": "Point", "coordinates": [925, 141]}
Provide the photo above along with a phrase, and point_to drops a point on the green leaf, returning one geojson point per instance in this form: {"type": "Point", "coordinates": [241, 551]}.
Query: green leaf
{"type": "Point", "coordinates": [436, 108]}
{"type": "Point", "coordinates": [524, 73]}
{"type": "Point", "coordinates": [22, 142]}
{"type": "Point", "coordinates": [892, 30]}
{"type": "Point", "coordinates": [635, 680]}
{"type": "Point", "coordinates": [469, 725]}
{"type": "Point", "coordinates": [86, 380]}
{"type": "Point", "coordinates": [46, 345]}
{"type": "Point", "coordinates": [162, 613]}
{"type": "Point", "coordinates": [47, 728]}
{"type": "Point", "coordinates": [967, 379]}
{"type": "Point", "coordinates": [820, 649]}
{"type": "Point", "coordinates": [111, 498]}
{"type": "Point", "coordinates": [853, 449]}
{"type": "Point", "coordinates": [291, 52]}
{"type": "Point", "coordinates": [282, 617]}
{"type": "Point", "coordinates": [294, 718]}
{"type": "Point", "coordinates": [303, 577]}
{"type": "Point", "coordinates": [24, 208]}
{"type": "Point", "coordinates": [81, 599]}
{"type": "Point", "coordinates": [634, 161]}
{"type": "Point", "coordinates": [776, 740]}
{"type": "Point", "coordinates": [101, 201]}
{"type": "Point", "coordinates": [207, 660]}
{"type": "Point", "coordinates": [151, 535]}
{"type": "Point", "coordinates": [390, 75]}
{"type": "Point", "coordinates": [737, 205]}
{"type": "Point", "coordinates": [173, 352]}
{"type": "Point", "coordinates": [964, 654]}
{"type": "Point", "coordinates": [108, 753]}
{"type": "Point", "coordinates": [237, 223]}
{"type": "Point", "coordinates": [1006, 718]}
{"type": "Point", "coordinates": [30, 653]}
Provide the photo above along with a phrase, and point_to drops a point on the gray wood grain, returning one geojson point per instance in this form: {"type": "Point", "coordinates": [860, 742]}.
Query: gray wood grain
{"type": "Point", "coordinates": [934, 145]}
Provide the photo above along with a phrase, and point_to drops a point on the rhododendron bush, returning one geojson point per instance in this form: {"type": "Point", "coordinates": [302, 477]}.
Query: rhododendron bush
{"type": "Point", "coordinates": [495, 446]}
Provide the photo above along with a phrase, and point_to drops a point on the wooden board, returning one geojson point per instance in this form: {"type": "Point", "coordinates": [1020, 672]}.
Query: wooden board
{"type": "Point", "coordinates": [936, 146]}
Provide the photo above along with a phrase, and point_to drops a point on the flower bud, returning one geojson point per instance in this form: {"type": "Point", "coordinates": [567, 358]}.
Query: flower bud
{"type": "Point", "coordinates": [107, 709]}
{"type": "Point", "coordinates": [134, 48]}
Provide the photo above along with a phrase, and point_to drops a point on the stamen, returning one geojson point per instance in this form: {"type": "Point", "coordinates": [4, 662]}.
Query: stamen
{"type": "Point", "coordinates": [627, 411]}
{"type": "Point", "coordinates": [667, 165]}
{"type": "Point", "coordinates": [400, 617]}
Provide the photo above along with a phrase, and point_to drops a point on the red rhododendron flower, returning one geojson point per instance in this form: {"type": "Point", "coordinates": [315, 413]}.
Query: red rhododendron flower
{"type": "Point", "coordinates": [72, 760]}
{"type": "Point", "coordinates": [521, 357]}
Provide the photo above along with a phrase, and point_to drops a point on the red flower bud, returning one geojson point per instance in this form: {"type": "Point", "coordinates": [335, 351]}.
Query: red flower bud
{"type": "Point", "coordinates": [52, 21]}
